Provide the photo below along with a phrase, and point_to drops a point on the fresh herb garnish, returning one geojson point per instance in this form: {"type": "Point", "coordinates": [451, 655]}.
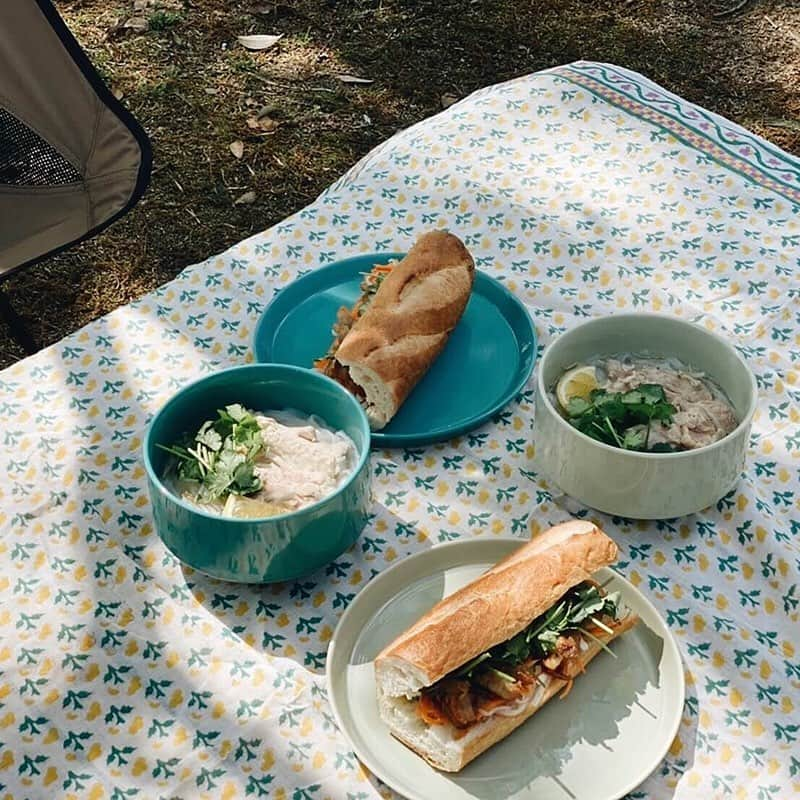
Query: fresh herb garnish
{"type": "Point", "coordinates": [221, 457]}
{"type": "Point", "coordinates": [583, 603]}
{"type": "Point", "coordinates": [623, 419]}
{"type": "Point", "coordinates": [369, 288]}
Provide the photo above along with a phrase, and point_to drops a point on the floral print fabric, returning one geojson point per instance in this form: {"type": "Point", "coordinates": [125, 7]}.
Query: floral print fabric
{"type": "Point", "coordinates": [587, 190]}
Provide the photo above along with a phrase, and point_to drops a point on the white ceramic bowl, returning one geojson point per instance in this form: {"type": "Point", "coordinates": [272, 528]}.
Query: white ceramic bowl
{"type": "Point", "coordinates": [628, 483]}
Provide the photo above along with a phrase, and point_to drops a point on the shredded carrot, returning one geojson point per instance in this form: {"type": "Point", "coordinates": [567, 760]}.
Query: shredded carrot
{"type": "Point", "coordinates": [429, 711]}
{"type": "Point", "coordinates": [599, 632]}
{"type": "Point", "coordinates": [382, 269]}
{"type": "Point", "coordinates": [322, 364]}
{"type": "Point", "coordinates": [567, 689]}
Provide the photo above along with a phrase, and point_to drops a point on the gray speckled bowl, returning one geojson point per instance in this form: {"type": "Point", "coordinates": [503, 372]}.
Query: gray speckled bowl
{"type": "Point", "coordinates": [643, 485]}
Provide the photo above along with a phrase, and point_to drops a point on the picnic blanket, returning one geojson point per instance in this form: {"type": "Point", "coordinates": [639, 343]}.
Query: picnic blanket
{"type": "Point", "coordinates": [587, 190]}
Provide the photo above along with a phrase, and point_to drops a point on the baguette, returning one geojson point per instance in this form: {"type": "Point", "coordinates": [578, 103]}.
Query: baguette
{"type": "Point", "coordinates": [488, 612]}
{"type": "Point", "coordinates": [444, 747]}
{"type": "Point", "coordinates": [397, 333]}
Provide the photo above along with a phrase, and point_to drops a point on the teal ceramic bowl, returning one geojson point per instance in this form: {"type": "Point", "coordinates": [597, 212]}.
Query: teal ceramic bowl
{"type": "Point", "coordinates": [271, 549]}
{"type": "Point", "coordinates": [633, 484]}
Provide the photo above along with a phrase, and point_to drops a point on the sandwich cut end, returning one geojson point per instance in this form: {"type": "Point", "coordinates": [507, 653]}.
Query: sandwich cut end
{"type": "Point", "coordinates": [450, 749]}
{"type": "Point", "coordinates": [378, 401]}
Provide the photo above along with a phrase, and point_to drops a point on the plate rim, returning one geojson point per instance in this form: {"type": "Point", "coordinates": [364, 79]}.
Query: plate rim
{"type": "Point", "coordinates": [465, 543]}
{"type": "Point", "coordinates": [386, 440]}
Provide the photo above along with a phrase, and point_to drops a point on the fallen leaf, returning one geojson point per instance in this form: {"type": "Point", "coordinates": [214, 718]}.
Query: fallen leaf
{"type": "Point", "coordinates": [136, 24]}
{"type": "Point", "coordinates": [259, 41]}
{"type": "Point", "coordinates": [265, 125]}
{"type": "Point", "coordinates": [245, 199]}
{"type": "Point", "coordinates": [237, 148]}
{"type": "Point", "coordinates": [123, 26]}
{"type": "Point", "coordinates": [353, 79]}
{"type": "Point", "coordinates": [118, 93]}
{"type": "Point", "coordinates": [447, 100]}
{"type": "Point", "coordinates": [262, 121]}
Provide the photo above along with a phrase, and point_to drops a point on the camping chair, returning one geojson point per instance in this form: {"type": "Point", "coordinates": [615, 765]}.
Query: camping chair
{"type": "Point", "coordinates": [72, 158]}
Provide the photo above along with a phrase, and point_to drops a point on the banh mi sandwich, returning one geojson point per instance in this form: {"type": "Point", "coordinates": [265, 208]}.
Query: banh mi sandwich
{"type": "Point", "coordinates": [387, 341]}
{"type": "Point", "coordinates": [486, 658]}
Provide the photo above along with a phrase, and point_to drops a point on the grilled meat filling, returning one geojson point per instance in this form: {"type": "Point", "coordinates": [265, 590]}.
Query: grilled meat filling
{"type": "Point", "coordinates": [508, 673]}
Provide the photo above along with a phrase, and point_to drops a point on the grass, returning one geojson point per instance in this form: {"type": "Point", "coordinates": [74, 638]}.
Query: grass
{"type": "Point", "coordinates": [163, 20]}
{"type": "Point", "coordinates": [194, 88]}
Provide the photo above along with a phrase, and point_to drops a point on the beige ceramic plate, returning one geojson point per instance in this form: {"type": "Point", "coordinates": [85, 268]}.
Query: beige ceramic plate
{"type": "Point", "coordinates": [599, 743]}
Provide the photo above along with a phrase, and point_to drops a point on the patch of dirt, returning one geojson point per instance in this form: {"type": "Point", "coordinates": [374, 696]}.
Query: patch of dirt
{"type": "Point", "coordinates": [194, 88]}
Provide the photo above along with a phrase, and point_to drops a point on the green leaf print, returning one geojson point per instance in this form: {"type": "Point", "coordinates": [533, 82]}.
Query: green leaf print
{"type": "Point", "coordinates": [259, 786]}
{"type": "Point", "coordinates": [75, 739]}
{"type": "Point", "coordinates": [247, 749]}
{"type": "Point", "coordinates": [786, 733]}
{"type": "Point", "coordinates": [307, 793]}
{"type": "Point", "coordinates": [32, 726]}
{"type": "Point", "coordinates": [117, 714]}
{"type": "Point", "coordinates": [204, 739]}
{"type": "Point", "coordinates": [66, 598]}
{"type": "Point", "coordinates": [74, 700]}
{"type": "Point", "coordinates": [121, 794]}
{"type": "Point", "coordinates": [76, 780]}
{"type": "Point", "coordinates": [198, 700]}
{"type": "Point", "coordinates": [118, 755]}
{"type": "Point", "coordinates": [745, 657]}
{"type": "Point", "coordinates": [205, 779]}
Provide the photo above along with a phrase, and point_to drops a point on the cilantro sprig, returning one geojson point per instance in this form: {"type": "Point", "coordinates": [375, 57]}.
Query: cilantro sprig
{"type": "Point", "coordinates": [221, 457]}
{"type": "Point", "coordinates": [581, 604]}
{"type": "Point", "coordinates": [623, 419]}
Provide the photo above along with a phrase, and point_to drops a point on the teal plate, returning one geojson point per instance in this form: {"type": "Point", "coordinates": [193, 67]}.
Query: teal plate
{"type": "Point", "coordinates": [486, 362]}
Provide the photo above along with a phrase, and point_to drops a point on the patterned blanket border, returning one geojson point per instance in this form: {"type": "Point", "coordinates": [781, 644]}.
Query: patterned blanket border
{"type": "Point", "coordinates": [729, 144]}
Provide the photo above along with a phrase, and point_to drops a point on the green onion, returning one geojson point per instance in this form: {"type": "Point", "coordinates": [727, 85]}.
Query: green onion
{"type": "Point", "coordinates": [505, 676]}
{"type": "Point", "coordinates": [601, 643]}
{"type": "Point", "coordinates": [470, 665]}
{"type": "Point", "coordinates": [602, 626]}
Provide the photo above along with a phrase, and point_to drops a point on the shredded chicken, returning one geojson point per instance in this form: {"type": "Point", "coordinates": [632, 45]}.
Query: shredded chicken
{"type": "Point", "coordinates": [678, 385]}
{"type": "Point", "coordinates": [700, 419]}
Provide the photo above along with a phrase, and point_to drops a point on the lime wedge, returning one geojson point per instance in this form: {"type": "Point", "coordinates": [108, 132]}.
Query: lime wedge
{"type": "Point", "coordinates": [242, 507]}
{"type": "Point", "coordinates": [578, 382]}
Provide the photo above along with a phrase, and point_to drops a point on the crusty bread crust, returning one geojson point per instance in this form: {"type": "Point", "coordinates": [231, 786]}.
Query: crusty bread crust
{"type": "Point", "coordinates": [493, 608]}
{"type": "Point", "coordinates": [410, 318]}
{"type": "Point", "coordinates": [498, 727]}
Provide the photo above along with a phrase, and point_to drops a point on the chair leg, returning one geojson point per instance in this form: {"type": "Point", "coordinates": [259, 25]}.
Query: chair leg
{"type": "Point", "coordinates": [22, 336]}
